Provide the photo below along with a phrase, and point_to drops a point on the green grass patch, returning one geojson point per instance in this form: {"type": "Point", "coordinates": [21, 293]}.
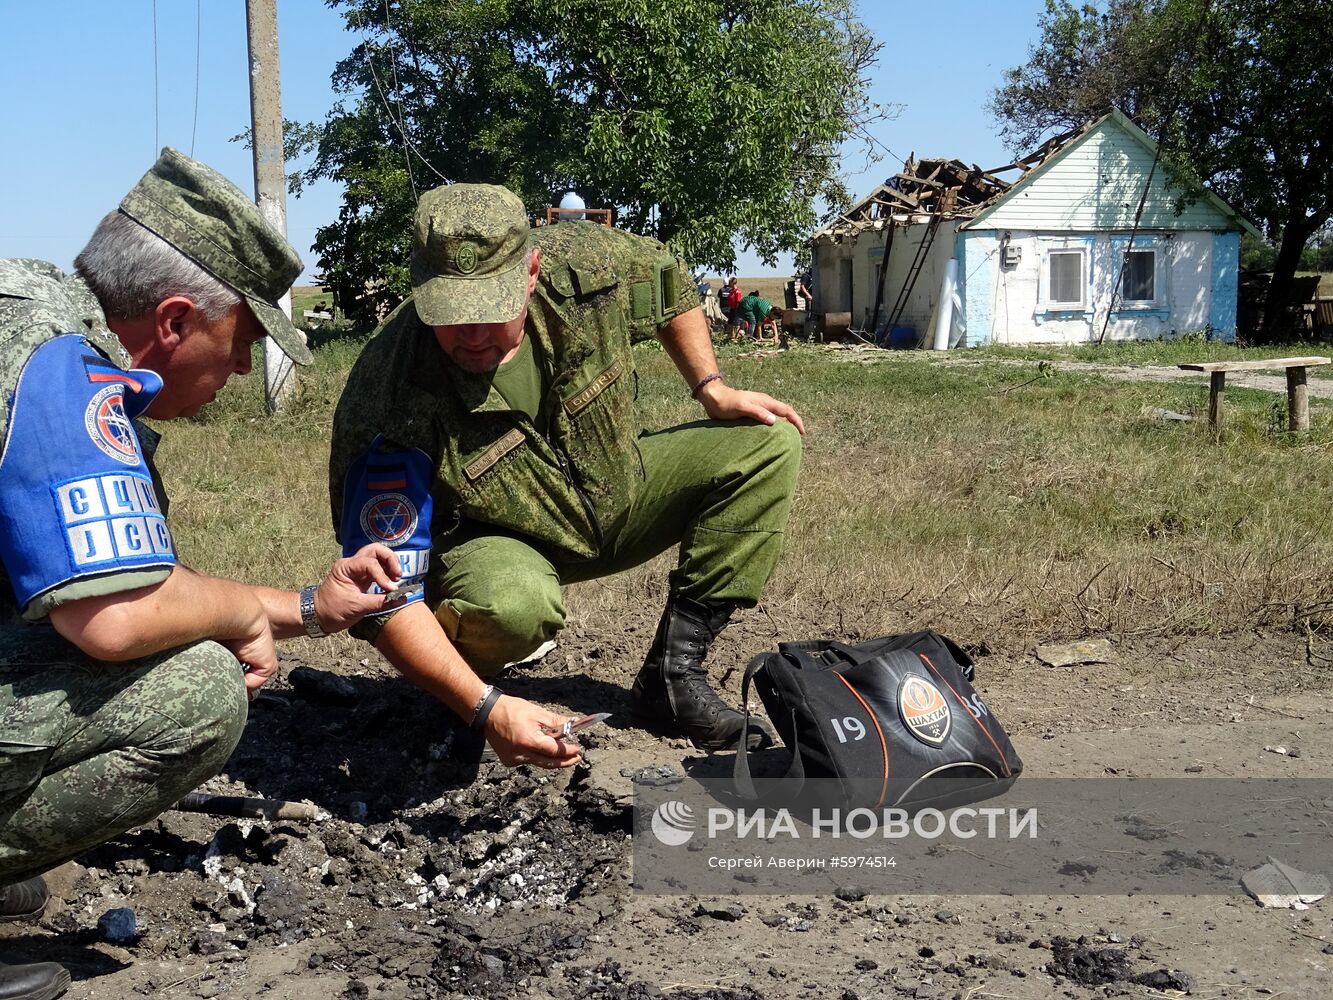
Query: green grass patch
{"type": "Point", "coordinates": [1182, 350]}
{"type": "Point", "coordinates": [1002, 501]}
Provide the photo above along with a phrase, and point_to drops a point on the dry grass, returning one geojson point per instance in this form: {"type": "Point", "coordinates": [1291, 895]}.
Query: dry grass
{"type": "Point", "coordinates": [1003, 503]}
{"type": "Point", "coordinates": [769, 286]}
{"type": "Point", "coordinates": [1182, 350]}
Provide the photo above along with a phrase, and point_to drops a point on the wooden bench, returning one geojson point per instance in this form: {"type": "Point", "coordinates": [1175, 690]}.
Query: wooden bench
{"type": "Point", "coordinates": [1298, 392]}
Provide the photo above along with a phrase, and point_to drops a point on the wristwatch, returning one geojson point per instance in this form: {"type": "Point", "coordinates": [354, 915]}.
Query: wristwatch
{"type": "Point", "coordinates": [308, 617]}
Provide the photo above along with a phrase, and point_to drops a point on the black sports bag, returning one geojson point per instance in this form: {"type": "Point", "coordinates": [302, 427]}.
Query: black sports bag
{"type": "Point", "coordinates": [890, 723]}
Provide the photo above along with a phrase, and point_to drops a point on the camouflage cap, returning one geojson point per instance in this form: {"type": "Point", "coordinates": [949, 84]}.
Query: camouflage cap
{"type": "Point", "coordinates": [467, 255]}
{"type": "Point", "coordinates": [211, 221]}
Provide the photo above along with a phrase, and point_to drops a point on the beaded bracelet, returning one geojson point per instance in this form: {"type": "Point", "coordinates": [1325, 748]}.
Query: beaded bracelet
{"type": "Point", "coordinates": [703, 382]}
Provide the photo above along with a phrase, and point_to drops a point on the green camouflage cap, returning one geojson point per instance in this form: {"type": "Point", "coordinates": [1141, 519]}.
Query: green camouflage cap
{"type": "Point", "coordinates": [211, 221]}
{"type": "Point", "coordinates": [467, 255]}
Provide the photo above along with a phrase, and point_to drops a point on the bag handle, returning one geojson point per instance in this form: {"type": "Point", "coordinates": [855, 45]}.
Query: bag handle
{"type": "Point", "coordinates": [827, 651]}
{"type": "Point", "coordinates": [740, 771]}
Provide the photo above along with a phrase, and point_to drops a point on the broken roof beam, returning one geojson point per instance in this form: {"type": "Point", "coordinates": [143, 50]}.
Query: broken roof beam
{"type": "Point", "coordinates": [914, 179]}
{"type": "Point", "coordinates": [900, 197]}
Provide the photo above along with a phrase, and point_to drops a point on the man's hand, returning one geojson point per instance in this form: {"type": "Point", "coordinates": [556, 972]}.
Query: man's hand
{"type": "Point", "coordinates": [341, 600]}
{"type": "Point", "coordinates": [514, 731]}
{"type": "Point", "coordinates": [722, 402]}
{"type": "Point", "coordinates": [253, 647]}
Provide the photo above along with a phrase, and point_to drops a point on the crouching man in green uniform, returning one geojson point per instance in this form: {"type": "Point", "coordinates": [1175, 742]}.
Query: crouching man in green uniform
{"type": "Point", "coordinates": [488, 434]}
{"type": "Point", "coordinates": [123, 674]}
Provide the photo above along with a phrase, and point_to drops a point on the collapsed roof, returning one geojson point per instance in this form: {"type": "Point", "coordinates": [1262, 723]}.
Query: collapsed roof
{"type": "Point", "coordinates": [937, 189]}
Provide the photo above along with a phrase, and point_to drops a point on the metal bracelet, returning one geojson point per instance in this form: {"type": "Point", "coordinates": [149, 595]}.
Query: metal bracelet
{"type": "Point", "coordinates": [308, 617]}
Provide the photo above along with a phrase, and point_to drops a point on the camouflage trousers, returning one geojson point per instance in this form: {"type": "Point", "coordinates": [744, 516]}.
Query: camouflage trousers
{"type": "Point", "coordinates": [89, 749]}
{"type": "Point", "coordinates": [721, 490]}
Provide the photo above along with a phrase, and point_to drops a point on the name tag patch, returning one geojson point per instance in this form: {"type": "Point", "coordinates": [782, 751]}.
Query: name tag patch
{"type": "Point", "coordinates": [112, 519]}
{"type": "Point", "coordinates": [482, 464]}
{"type": "Point", "coordinates": [580, 400]}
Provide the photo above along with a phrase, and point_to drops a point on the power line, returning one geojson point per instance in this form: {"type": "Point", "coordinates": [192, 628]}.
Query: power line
{"type": "Point", "coordinates": [408, 145]}
{"type": "Point", "coordinates": [398, 90]}
{"type": "Point", "coordinates": [866, 134]}
{"type": "Point", "coordinates": [198, 32]}
{"type": "Point", "coordinates": [1173, 108]}
{"type": "Point", "coordinates": [156, 144]}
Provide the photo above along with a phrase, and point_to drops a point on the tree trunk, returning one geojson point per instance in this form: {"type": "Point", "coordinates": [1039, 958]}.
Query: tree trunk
{"type": "Point", "coordinates": [1294, 236]}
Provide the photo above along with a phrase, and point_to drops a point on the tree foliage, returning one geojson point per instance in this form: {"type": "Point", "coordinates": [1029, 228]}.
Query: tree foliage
{"type": "Point", "coordinates": [1088, 59]}
{"type": "Point", "coordinates": [1238, 92]}
{"type": "Point", "coordinates": [699, 121]}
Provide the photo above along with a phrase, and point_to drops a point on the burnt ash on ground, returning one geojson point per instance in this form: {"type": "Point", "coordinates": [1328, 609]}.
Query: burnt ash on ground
{"type": "Point", "coordinates": [450, 876]}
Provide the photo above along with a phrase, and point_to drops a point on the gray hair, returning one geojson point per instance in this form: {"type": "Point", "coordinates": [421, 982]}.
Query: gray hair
{"type": "Point", "coordinates": [131, 269]}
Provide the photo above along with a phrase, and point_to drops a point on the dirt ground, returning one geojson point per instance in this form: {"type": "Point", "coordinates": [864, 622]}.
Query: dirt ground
{"type": "Point", "coordinates": [436, 875]}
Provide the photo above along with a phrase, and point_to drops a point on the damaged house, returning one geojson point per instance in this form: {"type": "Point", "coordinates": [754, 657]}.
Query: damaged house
{"type": "Point", "coordinates": [1043, 257]}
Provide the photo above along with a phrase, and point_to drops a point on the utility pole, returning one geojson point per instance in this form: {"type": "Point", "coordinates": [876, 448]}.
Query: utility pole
{"type": "Point", "coordinates": [261, 24]}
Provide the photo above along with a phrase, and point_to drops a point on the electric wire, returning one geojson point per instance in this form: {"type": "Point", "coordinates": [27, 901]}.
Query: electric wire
{"type": "Point", "coordinates": [384, 101]}
{"type": "Point", "coordinates": [198, 34]}
{"type": "Point", "coordinates": [865, 133]}
{"type": "Point", "coordinates": [156, 145]}
{"type": "Point", "coordinates": [398, 92]}
{"type": "Point", "coordinates": [1129, 248]}
{"type": "Point", "coordinates": [1157, 154]}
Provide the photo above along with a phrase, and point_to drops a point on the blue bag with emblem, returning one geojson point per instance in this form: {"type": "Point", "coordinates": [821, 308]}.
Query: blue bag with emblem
{"type": "Point", "coordinates": [889, 723]}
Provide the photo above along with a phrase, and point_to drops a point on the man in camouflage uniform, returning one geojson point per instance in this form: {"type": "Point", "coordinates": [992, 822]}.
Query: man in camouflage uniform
{"type": "Point", "coordinates": [123, 674]}
{"type": "Point", "coordinates": [488, 434]}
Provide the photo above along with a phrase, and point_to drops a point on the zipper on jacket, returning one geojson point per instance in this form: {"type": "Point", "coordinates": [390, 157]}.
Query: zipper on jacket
{"type": "Point", "coordinates": [563, 459]}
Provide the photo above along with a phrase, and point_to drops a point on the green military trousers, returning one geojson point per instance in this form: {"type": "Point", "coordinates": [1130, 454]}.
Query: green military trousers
{"type": "Point", "coordinates": [721, 489]}
{"type": "Point", "coordinates": [90, 749]}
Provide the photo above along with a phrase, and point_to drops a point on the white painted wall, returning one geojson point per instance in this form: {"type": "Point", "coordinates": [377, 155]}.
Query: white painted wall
{"type": "Point", "coordinates": [865, 252]}
{"type": "Point", "coordinates": [1096, 184]}
{"type": "Point", "coordinates": [1011, 305]}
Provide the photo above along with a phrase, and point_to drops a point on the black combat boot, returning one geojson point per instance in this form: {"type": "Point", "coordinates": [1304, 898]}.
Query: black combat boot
{"type": "Point", "coordinates": [39, 981]}
{"type": "Point", "coordinates": [23, 900]}
{"type": "Point", "coordinates": [43, 980]}
{"type": "Point", "coordinates": [672, 694]}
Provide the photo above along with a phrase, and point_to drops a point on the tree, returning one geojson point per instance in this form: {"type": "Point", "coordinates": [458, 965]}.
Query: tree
{"type": "Point", "coordinates": [699, 121]}
{"type": "Point", "coordinates": [1238, 91]}
{"type": "Point", "coordinates": [1088, 60]}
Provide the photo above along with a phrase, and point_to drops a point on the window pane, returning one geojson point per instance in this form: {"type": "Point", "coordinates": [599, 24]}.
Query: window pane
{"type": "Point", "coordinates": [1067, 277]}
{"type": "Point", "coordinates": [1138, 285]}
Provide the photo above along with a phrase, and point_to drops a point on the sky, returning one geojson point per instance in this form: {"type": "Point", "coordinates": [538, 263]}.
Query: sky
{"type": "Point", "coordinates": [96, 87]}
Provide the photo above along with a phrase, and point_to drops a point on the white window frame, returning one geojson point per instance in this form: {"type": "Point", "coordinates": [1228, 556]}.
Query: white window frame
{"type": "Point", "coordinates": [1051, 304]}
{"type": "Point", "coordinates": [1123, 269]}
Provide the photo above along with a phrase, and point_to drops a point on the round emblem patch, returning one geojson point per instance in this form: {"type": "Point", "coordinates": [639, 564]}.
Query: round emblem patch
{"type": "Point", "coordinates": [466, 258]}
{"type": "Point", "coordinates": [923, 708]}
{"type": "Point", "coordinates": [109, 428]}
{"type": "Point", "coordinates": [390, 518]}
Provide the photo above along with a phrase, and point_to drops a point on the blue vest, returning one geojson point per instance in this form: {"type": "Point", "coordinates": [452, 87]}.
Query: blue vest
{"type": "Point", "coordinates": [387, 499]}
{"type": "Point", "coordinates": [75, 490]}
